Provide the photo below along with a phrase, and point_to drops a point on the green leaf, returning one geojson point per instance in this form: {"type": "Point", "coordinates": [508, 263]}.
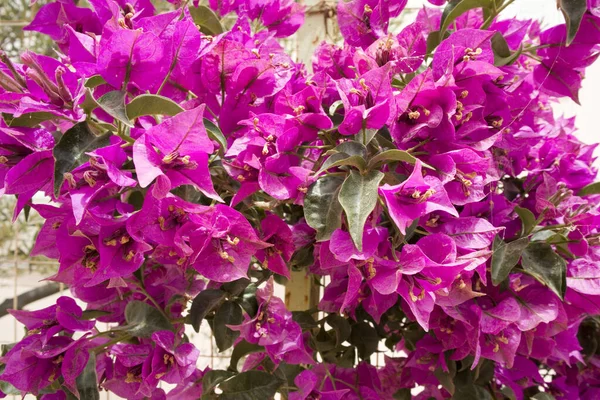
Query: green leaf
{"type": "Point", "coordinates": [541, 262]}
{"type": "Point", "coordinates": [403, 394]}
{"type": "Point", "coordinates": [455, 8]}
{"type": "Point", "coordinates": [93, 314]}
{"type": "Point", "coordinates": [94, 81]}
{"type": "Point", "coordinates": [242, 349]}
{"type": "Point", "coordinates": [341, 327]}
{"type": "Point", "coordinates": [543, 396]}
{"type": "Point", "coordinates": [29, 120]}
{"type": "Point", "coordinates": [250, 385]}
{"type": "Point", "coordinates": [206, 301]}
{"type": "Point", "coordinates": [528, 220]}
{"type": "Point", "coordinates": [237, 287]}
{"type": "Point", "coordinates": [114, 105]}
{"type": "Point", "coordinates": [207, 20]}
{"type": "Point", "coordinates": [592, 188]}
{"type": "Point", "coordinates": [213, 377]}
{"type": "Point", "coordinates": [143, 319]}
{"type": "Point", "coordinates": [215, 134]}
{"type": "Point", "coordinates": [335, 106]}
{"type": "Point", "coordinates": [573, 11]}
{"type": "Point", "coordinates": [352, 148]}
{"type": "Point", "coordinates": [322, 209]}
{"type": "Point", "coordinates": [391, 155]}
{"type": "Point", "coordinates": [342, 159]}
{"type": "Point", "coordinates": [433, 40]}
{"type": "Point", "coordinates": [502, 53]}
{"type": "Point", "coordinates": [229, 313]}
{"type": "Point", "coordinates": [87, 381]}
{"type": "Point", "coordinates": [71, 150]}
{"type": "Point", "coordinates": [358, 197]}
{"type": "Point", "coordinates": [505, 256]}
{"type": "Point", "coordinates": [366, 135]}
{"type": "Point", "coordinates": [152, 104]}
{"type": "Point", "coordinates": [365, 338]}
{"type": "Point", "coordinates": [304, 319]}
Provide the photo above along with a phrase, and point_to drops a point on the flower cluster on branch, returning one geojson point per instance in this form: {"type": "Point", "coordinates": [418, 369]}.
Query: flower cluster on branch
{"type": "Point", "coordinates": [420, 176]}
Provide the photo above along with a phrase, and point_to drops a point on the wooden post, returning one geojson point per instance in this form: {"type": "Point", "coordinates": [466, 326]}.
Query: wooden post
{"type": "Point", "coordinates": [301, 292]}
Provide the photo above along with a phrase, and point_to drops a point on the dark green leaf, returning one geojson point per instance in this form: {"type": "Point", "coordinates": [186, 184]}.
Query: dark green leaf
{"type": "Point", "coordinates": [242, 349]}
{"type": "Point", "coordinates": [505, 256]}
{"type": "Point", "coordinates": [358, 197]}
{"type": "Point", "coordinates": [340, 326]}
{"type": "Point", "coordinates": [540, 261]}
{"type": "Point", "coordinates": [30, 119]}
{"type": "Point", "coordinates": [304, 256]}
{"type": "Point", "coordinates": [527, 220]}
{"type": "Point", "coordinates": [143, 319]}
{"type": "Point", "coordinates": [543, 396]}
{"type": "Point", "coordinates": [403, 394]}
{"type": "Point", "coordinates": [93, 314]}
{"type": "Point", "coordinates": [342, 159]}
{"type": "Point", "coordinates": [502, 54]}
{"type": "Point", "coordinates": [514, 56]}
{"type": "Point", "coordinates": [365, 338]}
{"type": "Point", "coordinates": [250, 385]}
{"type": "Point", "coordinates": [471, 392]}
{"type": "Point", "coordinates": [213, 377]}
{"type": "Point", "coordinates": [152, 104]}
{"type": "Point", "coordinates": [433, 40]}
{"type": "Point", "coordinates": [573, 11]}
{"type": "Point", "coordinates": [94, 81]}
{"type": "Point", "coordinates": [391, 155]}
{"type": "Point", "coordinates": [87, 382]}
{"type": "Point", "coordinates": [207, 20]}
{"type": "Point", "coordinates": [592, 188]}
{"type": "Point", "coordinates": [229, 313]}
{"type": "Point", "coordinates": [215, 134]}
{"type": "Point", "coordinates": [322, 208]}
{"type": "Point", "coordinates": [71, 150]}
{"type": "Point", "coordinates": [304, 319]}
{"type": "Point", "coordinates": [455, 8]}
{"type": "Point", "coordinates": [114, 105]}
{"type": "Point", "coordinates": [248, 301]}
{"type": "Point", "coordinates": [366, 135]}
{"type": "Point", "coordinates": [206, 301]}
{"type": "Point", "coordinates": [352, 148]}
{"type": "Point", "coordinates": [236, 287]}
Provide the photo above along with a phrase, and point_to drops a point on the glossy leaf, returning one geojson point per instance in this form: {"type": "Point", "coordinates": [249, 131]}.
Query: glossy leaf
{"type": "Point", "coordinates": [242, 349]}
{"type": "Point", "coordinates": [87, 381]}
{"type": "Point", "coordinates": [30, 119]}
{"type": "Point", "coordinates": [206, 301]}
{"type": "Point", "coordinates": [456, 8]}
{"type": "Point", "coordinates": [71, 150]}
{"type": "Point", "coordinates": [358, 197]}
{"type": "Point", "coordinates": [540, 261]}
{"type": "Point", "coordinates": [573, 11]}
{"type": "Point", "coordinates": [212, 378]}
{"type": "Point", "coordinates": [250, 385]}
{"type": "Point", "coordinates": [322, 209]}
{"type": "Point", "coordinates": [527, 220]}
{"type": "Point", "coordinates": [342, 159]}
{"type": "Point", "coordinates": [392, 155]}
{"type": "Point", "coordinates": [114, 105]}
{"type": "Point", "coordinates": [143, 319]}
{"type": "Point", "coordinates": [215, 134]}
{"type": "Point", "coordinates": [152, 104]}
{"type": "Point", "coordinates": [229, 313]}
{"type": "Point", "coordinates": [365, 338]}
{"type": "Point", "coordinates": [505, 256]}
{"type": "Point", "coordinates": [592, 188]}
{"type": "Point", "coordinates": [207, 20]}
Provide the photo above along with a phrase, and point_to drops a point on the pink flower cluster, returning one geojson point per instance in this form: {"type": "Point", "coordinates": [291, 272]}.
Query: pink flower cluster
{"type": "Point", "coordinates": [421, 176]}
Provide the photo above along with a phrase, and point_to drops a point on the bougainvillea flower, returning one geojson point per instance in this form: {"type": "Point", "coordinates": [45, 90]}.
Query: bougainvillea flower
{"type": "Point", "coordinates": [415, 197]}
